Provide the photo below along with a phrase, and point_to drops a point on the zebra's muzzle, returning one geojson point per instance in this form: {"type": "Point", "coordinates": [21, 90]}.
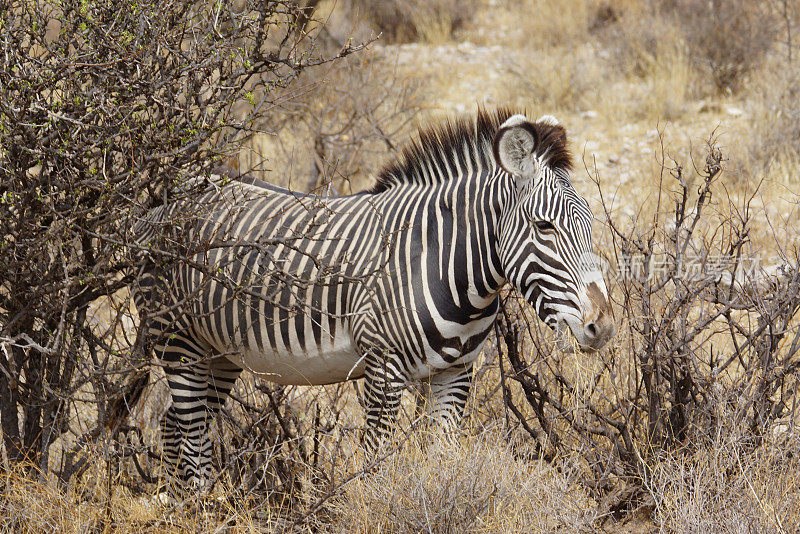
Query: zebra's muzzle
{"type": "Point", "coordinates": [596, 327]}
{"type": "Point", "coordinates": [598, 322]}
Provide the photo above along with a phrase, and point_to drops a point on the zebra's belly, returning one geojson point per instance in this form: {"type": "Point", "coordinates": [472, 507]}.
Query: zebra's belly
{"type": "Point", "coordinates": [338, 363]}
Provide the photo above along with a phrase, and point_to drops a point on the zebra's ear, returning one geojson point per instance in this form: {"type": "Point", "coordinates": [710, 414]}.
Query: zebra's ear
{"type": "Point", "coordinates": [549, 119]}
{"type": "Point", "coordinates": [514, 147]}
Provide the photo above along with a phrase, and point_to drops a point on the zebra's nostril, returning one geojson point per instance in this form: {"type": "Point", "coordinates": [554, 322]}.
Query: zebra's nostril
{"type": "Point", "coordinates": [591, 330]}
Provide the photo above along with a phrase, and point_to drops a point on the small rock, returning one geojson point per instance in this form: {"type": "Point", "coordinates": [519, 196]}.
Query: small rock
{"type": "Point", "coordinates": [735, 112]}
{"type": "Point", "coordinates": [465, 47]}
{"type": "Point", "coordinates": [707, 107]}
{"type": "Point", "coordinates": [589, 114]}
{"type": "Point", "coordinates": [613, 159]}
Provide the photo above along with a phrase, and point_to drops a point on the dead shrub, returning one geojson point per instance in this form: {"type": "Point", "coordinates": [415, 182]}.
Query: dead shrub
{"type": "Point", "coordinates": [604, 15]}
{"type": "Point", "coordinates": [405, 21]}
{"type": "Point", "coordinates": [560, 80]}
{"type": "Point", "coordinates": [707, 345]}
{"type": "Point", "coordinates": [725, 40]}
{"type": "Point", "coordinates": [773, 146]}
{"type": "Point", "coordinates": [728, 38]}
{"type": "Point", "coordinates": [345, 120]}
{"type": "Point", "coordinates": [634, 36]}
{"type": "Point", "coordinates": [128, 102]}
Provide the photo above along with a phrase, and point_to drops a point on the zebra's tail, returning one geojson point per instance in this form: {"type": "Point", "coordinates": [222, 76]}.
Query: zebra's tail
{"type": "Point", "coordinates": [131, 392]}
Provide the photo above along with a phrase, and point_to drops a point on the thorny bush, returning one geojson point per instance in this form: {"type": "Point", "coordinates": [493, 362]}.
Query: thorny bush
{"type": "Point", "coordinates": [707, 349]}
{"type": "Point", "coordinates": [106, 110]}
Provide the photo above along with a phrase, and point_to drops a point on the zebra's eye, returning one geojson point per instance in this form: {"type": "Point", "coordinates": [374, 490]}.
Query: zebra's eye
{"type": "Point", "coordinates": [545, 227]}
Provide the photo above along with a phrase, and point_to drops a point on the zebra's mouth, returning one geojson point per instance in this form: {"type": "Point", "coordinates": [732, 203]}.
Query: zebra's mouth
{"type": "Point", "coordinates": [566, 340]}
{"type": "Point", "coordinates": [573, 333]}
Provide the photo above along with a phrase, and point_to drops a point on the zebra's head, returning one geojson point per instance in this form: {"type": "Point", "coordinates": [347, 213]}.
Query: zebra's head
{"type": "Point", "coordinates": [546, 232]}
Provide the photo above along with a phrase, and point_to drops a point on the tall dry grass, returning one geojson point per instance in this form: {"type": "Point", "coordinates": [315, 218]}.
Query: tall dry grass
{"type": "Point", "coordinates": [726, 488]}
{"type": "Point", "coordinates": [481, 486]}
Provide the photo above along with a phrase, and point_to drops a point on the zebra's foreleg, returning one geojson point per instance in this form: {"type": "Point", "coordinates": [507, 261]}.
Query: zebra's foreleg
{"type": "Point", "coordinates": [448, 392]}
{"type": "Point", "coordinates": [383, 388]}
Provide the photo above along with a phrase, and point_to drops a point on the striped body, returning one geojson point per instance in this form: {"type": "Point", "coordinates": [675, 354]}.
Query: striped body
{"type": "Point", "coordinates": [386, 271]}
{"type": "Point", "coordinates": [395, 284]}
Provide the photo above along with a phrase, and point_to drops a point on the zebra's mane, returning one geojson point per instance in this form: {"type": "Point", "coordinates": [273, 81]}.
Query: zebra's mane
{"type": "Point", "coordinates": [462, 139]}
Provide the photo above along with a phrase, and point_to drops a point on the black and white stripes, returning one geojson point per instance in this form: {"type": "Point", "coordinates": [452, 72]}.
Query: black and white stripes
{"type": "Point", "coordinates": [395, 284]}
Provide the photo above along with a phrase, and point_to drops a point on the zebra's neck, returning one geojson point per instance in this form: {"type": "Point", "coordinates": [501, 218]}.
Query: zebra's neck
{"type": "Point", "coordinates": [451, 229]}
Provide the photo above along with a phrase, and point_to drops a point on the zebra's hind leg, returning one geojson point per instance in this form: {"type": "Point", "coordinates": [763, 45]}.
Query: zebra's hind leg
{"type": "Point", "coordinates": [199, 385]}
{"type": "Point", "coordinates": [222, 374]}
{"type": "Point", "coordinates": [383, 388]}
{"type": "Point", "coordinates": [184, 424]}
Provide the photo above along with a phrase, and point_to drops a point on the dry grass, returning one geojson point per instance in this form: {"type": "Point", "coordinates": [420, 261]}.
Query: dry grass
{"type": "Point", "coordinates": [480, 487]}
{"type": "Point", "coordinates": [483, 487]}
{"type": "Point", "coordinates": [724, 489]}
{"type": "Point", "coordinates": [486, 485]}
{"type": "Point", "coordinates": [32, 507]}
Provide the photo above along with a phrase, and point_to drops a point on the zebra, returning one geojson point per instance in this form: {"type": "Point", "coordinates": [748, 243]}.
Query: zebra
{"type": "Point", "coordinates": [394, 284]}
